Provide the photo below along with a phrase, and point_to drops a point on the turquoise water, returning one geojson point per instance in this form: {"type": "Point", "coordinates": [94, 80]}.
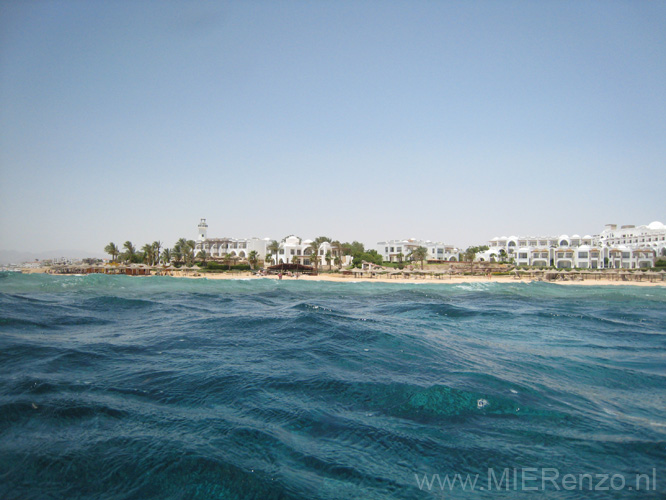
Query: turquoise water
{"type": "Point", "coordinates": [121, 387]}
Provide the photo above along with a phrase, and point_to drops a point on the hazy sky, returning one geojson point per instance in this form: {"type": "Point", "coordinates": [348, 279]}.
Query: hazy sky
{"type": "Point", "coordinates": [448, 120]}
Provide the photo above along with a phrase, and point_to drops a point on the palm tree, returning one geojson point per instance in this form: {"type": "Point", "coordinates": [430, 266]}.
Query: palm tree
{"type": "Point", "coordinates": [130, 251]}
{"type": "Point", "coordinates": [112, 250]}
{"type": "Point", "coordinates": [338, 261]}
{"type": "Point", "coordinates": [269, 256]}
{"type": "Point", "coordinates": [274, 248]}
{"type": "Point", "coordinates": [294, 259]}
{"type": "Point", "coordinates": [182, 245]}
{"type": "Point", "coordinates": [166, 255]}
{"type": "Point", "coordinates": [314, 248]}
{"type": "Point", "coordinates": [202, 256]}
{"type": "Point", "coordinates": [148, 254]}
{"type": "Point", "coordinates": [184, 250]}
{"type": "Point", "coordinates": [157, 247]}
{"type": "Point", "coordinates": [188, 255]}
{"type": "Point", "coordinates": [336, 246]}
{"type": "Point", "coordinates": [328, 258]}
{"type": "Point", "coordinates": [421, 254]}
{"type": "Point", "coordinates": [400, 257]}
{"type": "Point", "coordinates": [176, 254]}
{"type": "Point", "coordinates": [253, 258]}
{"type": "Point", "coordinates": [228, 258]}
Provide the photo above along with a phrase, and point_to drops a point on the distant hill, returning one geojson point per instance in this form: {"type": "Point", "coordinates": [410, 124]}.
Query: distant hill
{"type": "Point", "coordinates": [17, 257]}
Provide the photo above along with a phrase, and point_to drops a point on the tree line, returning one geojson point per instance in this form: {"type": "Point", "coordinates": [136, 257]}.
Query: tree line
{"type": "Point", "coordinates": [183, 253]}
{"type": "Point", "coordinates": [152, 253]}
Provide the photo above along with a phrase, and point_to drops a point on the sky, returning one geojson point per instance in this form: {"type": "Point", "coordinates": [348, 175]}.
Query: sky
{"type": "Point", "coordinates": [366, 120]}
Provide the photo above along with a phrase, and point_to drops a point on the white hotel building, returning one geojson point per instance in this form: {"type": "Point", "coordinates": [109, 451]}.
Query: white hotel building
{"type": "Point", "coordinates": [292, 249]}
{"type": "Point", "coordinates": [627, 247]}
{"type": "Point", "coordinates": [396, 250]}
{"type": "Point", "coordinates": [236, 247]}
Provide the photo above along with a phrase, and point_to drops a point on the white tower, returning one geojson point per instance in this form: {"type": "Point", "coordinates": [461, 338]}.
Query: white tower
{"type": "Point", "coordinates": [203, 230]}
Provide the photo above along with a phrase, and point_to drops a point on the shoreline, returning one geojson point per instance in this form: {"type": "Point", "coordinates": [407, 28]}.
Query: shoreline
{"type": "Point", "coordinates": [333, 278]}
{"type": "Point", "coordinates": [430, 281]}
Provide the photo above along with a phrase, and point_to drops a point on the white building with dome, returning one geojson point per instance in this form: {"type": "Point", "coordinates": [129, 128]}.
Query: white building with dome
{"type": "Point", "coordinates": [627, 247]}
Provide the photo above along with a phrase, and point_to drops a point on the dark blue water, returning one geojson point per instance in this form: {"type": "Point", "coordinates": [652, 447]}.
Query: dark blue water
{"type": "Point", "coordinates": [120, 387]}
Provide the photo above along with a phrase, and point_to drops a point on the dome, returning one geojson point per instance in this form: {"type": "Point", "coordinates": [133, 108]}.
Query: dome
{"type": "Point", "coordinates": [656, 225]}
{"type": "Point", "coordinates": [563, 237]}
{"type": "Point", "coordinates": [576, 236]}
{"type": "Point", "coordinates": [587, 237]}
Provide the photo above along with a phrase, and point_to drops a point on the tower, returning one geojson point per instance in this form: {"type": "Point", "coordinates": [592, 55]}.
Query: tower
{"type": "Point", "coordinates": [203, 230]}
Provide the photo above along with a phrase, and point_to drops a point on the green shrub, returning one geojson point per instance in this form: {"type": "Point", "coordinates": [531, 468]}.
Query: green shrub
{"type": "Point", "coordinates": [217, 266]}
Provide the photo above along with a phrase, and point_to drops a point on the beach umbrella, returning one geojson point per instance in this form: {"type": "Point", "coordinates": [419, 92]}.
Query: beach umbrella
{"type": "Point", "coordinates": [652, 275]}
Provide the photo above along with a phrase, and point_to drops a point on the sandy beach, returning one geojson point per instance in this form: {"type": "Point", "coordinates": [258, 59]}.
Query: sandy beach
{"type": "Point", "coordinates": [339, 278]}
{"type": "Point", "coordinates": [446, 280]}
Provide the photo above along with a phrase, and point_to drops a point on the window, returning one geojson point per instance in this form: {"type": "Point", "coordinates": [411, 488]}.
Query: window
{"type": "Point", "coordinates": [582, 255]}
{"type": "Point", "coordinates": [626, 255]}
{"type": "Point", "coordinates": [522, 255]}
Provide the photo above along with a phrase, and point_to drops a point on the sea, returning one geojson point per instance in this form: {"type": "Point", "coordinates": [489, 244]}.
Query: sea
{"type": "Point", "coordinates": [117, 387]}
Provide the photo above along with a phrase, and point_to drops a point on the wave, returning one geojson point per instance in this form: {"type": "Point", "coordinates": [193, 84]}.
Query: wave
{"type": "Point", "coordinates": [125, 387]}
